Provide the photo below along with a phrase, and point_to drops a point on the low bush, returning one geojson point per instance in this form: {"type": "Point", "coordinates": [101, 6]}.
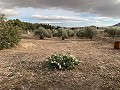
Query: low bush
{"type": "Point", "coordinates": [48, 33]}
{"type": "Point", "coordinates": [80, 33]}
{"type": "Point", "coordinates": [62, 62]}
{"type": "Point", "coordinates": [62, 33]}
{"type": "Point", "coordinates": [54, 33]}
{"type": "Point", "coordinates": [42, 33]}
{"type": "Point", "coordinates": [70, 33]}
{"type": "Point", "coordinates": [87, 32]}
{"type": "Point", "coordinates": [113, 31]}
{"type": "Point", "coordinates": [90, 32]}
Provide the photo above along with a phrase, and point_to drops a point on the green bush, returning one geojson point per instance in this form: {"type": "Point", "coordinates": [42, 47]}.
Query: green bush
{"type": "Point", "coordinates": [62, 62]}
{"type": "Point", "coordinates": [62, 33]}
{"type": "Point", "coordinates": [90, 32]}
{"type": "Point", "coordinates": [87, 32]}
{"type": "Point", "coordinates": [54, 33]}
{"type": "Point", "coordinates": [113, 31]}
{"type": "Point", "coordinates": [80, 33]}
{"type": "Point", "coordinates": [42, 33]}
{"type": "Point", "coordinates": [9, 37]}
{"type": "Point", "coordinates": [118, 33]}
{"type": "Point", "coordinates": [70, 33]}
{"type": "Point", "coordinates": [49, 33]}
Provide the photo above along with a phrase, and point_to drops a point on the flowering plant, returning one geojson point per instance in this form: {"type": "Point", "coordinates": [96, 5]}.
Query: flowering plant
{"type": "Point", "coordinates": [62, 62]}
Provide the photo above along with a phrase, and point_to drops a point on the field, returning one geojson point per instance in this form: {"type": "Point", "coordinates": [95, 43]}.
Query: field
{"type": "Point", "coordinates": [24, 67]}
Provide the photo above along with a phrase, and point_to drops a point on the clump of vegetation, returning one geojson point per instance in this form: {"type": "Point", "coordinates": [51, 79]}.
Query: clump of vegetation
{"type": "Point", "coordinates": [62, 33]}
{"type": "Point", "coordinates": [62, 62]}
{"type": "Point", "coordinates": [70, 33]}
{"type": "Point", "coordinates": [49, 33]}
{"type": "Point", "coordinates": [42, 33]}
{"type": "Point", "coordinates": [113, 32]}
{"type": "Point", "coordinates": [87, 32]}
{"type": "Point", "coordinates": [80, 33]}
{"type": "Point", "coordinates": [9, 35]}
{"type": "Point", "coordinates": [90, 32]}
{"type": "Point", "coordinates": [54, 32]}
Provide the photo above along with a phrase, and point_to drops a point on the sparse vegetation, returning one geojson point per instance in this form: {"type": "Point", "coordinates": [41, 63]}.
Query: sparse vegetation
{"type": "Point", "coordinates": [25, 67]}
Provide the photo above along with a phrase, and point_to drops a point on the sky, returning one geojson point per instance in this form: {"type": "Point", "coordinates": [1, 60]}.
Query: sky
{"type": "Point", "coordinates": [65, 13]}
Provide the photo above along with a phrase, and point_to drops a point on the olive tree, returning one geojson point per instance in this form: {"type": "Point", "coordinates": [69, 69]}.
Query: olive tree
{"type": "Point", "coordinates": [113, 31]}
{"type": "Point", "coordinates": [62, 33]}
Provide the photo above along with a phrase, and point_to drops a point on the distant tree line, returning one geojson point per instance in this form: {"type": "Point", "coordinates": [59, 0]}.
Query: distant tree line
{"type": "Point", "coordinates": [30, 26]}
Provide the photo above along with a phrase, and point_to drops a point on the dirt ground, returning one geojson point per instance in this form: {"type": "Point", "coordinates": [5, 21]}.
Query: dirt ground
{"type": "Point", "coordinates": [25, 67]}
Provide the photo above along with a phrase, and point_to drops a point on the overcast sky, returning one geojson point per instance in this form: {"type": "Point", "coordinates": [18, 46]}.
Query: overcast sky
{"type": "Point", "coordinates": [69, 13]}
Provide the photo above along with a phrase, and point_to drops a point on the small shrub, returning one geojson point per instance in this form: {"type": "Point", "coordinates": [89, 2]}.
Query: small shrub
{"type": "Point", "coordinates": [113, 31]}
{"type": "Point", "coordinates": [90, 32]}
{"type": "Point", "coordinates": [62, 33]}
{"type": "Point", "coordinates": [70, 33]}
{"type": "Point", "coordinates": [118, 33]}
{"type": "Point", "coordinates": [62, 62]}
{"type": "Point", "coordinates": [49, 33]}
{"type": "Point", "coordinates": [42, 33]}
{"type": "Point", "coordinates": [80, 33]}
{"type": "Point", "coordinates": [87, 32]}
{"type": "Point", "coordinates": [54, 33]}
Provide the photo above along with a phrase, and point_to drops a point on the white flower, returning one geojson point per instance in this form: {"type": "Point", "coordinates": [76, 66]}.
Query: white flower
{"type": "Point", "coordinates": [59, 66]}
{"type": "Point", "coordinates": [76, 60]}
{"type": "Point", "coordinates": [71, 55]}
{"type": "Point", "coordinates": [51, 61]}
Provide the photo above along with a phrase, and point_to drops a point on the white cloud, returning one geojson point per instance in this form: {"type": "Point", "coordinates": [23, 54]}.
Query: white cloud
{"type": "Point", "coordinates": [66, 18]}
{"type": "Point", "coordinates": [49, 22]}
{"type": "Point", "coordinates": [8, 12]}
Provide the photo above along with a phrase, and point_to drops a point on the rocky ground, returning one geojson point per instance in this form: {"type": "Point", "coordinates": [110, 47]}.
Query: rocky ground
{"type": "Point", "coordinates": [25, 67]}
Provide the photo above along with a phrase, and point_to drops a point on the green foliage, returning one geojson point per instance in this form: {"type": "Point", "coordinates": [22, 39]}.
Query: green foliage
{"type": "Point", "coordinates": [54, 33]}
{"type": "Point", "coordinates": [49, 33]}
{"type": "Point", "coordinates": [118, 33]}
{"type": "Point", "coordinates": [87, 32]}
{"type": "Point", "coordinates": [113, 31]}
{"type": "Point", "coordinates": [80, 33]}
{"type": "Point", "coordinates": [30, 26]}
{"type": "Point", "coordinates": [62, 62]}
{"type": "Point", "coordinates": [9, 34]}
{"type": "Point", "coordinates": [42, 33]}
{"type": "Point", "coordinates": [62, 33]}
{"type": "Point", "coordinates": [9, 37]}
{"type": "Point", "coordinates": [90, 32]}
{"type": "Point", "coordinates": [70, 33]}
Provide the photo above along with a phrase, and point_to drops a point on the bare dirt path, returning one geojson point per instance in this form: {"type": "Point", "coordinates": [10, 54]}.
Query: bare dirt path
{"type": "Point", "coordinates": [24, 68]}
